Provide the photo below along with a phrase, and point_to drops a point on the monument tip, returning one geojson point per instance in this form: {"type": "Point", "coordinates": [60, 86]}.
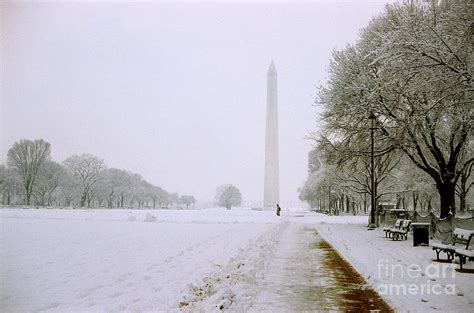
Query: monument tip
{"type": "Point", "coordinates": [272, 69]}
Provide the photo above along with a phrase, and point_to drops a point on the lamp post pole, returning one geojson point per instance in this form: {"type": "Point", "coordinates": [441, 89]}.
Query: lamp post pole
{"type": "Point", "coordinates": [372, 174]}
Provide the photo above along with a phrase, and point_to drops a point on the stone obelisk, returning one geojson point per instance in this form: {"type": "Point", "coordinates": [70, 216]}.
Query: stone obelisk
{"type": "Point", "coordinates": [271, 185]}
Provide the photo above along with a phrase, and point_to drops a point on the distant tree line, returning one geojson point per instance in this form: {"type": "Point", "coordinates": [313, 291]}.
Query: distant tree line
{"type": "Point", "coordinates": [411, 72]}
{"type": "Point", "coordinates": [31, 178]}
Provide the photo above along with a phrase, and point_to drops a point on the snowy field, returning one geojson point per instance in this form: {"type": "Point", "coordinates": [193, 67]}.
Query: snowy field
{"type": "Point", "coordinates": [199, 260]}
{"type": "Point", "coordinates": [115, 260]}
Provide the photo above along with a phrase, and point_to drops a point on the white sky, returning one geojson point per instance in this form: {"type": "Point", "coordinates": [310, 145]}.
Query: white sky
{"type": "Point", "coordinates": [172, 91]}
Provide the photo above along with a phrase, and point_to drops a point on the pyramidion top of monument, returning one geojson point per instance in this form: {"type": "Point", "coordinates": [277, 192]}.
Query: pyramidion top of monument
{"type": "Point", "coordinates": [271, 69]}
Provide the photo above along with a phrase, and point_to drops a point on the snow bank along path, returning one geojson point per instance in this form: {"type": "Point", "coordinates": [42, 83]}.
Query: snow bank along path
{"type": "Point", "coordinates": [112, 260]}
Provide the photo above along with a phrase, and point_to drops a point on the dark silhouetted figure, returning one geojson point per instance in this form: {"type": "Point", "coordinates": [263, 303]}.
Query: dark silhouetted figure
{"type": "Point", "coordinates": [278, 209]}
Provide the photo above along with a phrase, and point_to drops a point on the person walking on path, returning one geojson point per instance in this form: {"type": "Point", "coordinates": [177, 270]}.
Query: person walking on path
{"type": "Point", "coordinates": [278, 209]}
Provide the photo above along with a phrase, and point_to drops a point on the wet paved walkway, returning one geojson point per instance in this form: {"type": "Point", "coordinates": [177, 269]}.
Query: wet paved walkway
{"type": "Point", "coordinates": [306, 274]}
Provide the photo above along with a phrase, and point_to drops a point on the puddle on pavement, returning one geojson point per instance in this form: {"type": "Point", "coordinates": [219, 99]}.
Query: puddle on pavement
{"type": "Point", "coordinates": [349, 289]}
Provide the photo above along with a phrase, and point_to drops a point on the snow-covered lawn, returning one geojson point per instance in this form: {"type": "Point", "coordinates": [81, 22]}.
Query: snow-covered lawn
{"type": "Point", "coordinates": [112, 260]}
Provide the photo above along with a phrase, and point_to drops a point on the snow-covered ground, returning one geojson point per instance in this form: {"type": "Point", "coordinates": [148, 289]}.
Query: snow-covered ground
{"type": "Point", "coordinates": [113, 260]}
{"type": "Point", "coordinates": [408, 277]}
{"type": "Point", "coordinates": [199, 260]}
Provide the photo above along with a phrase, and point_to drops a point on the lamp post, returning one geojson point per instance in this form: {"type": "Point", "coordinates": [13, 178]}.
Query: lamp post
{"type": "Point", "coordinates": [372, 182]}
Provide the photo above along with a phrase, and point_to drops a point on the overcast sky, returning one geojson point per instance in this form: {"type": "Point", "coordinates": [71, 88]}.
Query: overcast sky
{"type": "Point", "coordinates": [174, 92]}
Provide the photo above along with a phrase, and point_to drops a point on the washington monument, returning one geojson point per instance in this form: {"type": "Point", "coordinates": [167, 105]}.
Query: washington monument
{"type": "Point", "coordinates": [271, 185]}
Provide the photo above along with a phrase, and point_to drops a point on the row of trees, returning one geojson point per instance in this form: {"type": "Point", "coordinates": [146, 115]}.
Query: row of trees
{"type": "Point", "coordinates": [412, 71]}
{"type": "Point", "coordinates": [32, 178]}
{"type": "Point", "coordinates": [397, 180]}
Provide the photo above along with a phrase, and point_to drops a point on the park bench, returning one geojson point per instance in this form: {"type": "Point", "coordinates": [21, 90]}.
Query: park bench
{"type": "Point", "coordinates": [397, 225]}
{"type": "Point", "coordinates": [402, 232]}
{"type": "Point", "coordinates": [468, 252]}
{"type": "Point", "coordinates": [461, 237]}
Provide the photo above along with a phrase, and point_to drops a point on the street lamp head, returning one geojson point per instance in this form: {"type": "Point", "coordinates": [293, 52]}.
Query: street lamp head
{"type": "Point", "coordinates": [372, 120]}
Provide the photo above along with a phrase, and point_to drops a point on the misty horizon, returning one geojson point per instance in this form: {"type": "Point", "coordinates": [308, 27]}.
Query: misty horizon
{"type": "Point", "coordinates": [173, 92]}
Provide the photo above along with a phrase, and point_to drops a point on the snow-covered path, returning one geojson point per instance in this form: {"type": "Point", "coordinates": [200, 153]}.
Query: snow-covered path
{"type": "Point", "coordinates": [293, 281]}
{"type": "Point", "coordinates": [305, 274]}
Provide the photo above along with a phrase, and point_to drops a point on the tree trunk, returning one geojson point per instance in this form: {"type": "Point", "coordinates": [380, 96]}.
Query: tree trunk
{"type": "Point", "coordinates": [89, 201]}
{"type": "Point", "coordinates": [41, 197]}
{"type": "Point", "coordinates": [462, 202]}
{"type": "Point", "coordinates": [415, 200]}
{"type": "Point", "coordinates": [446, 194]}
{"type": "Point", "coordinates": [348, 204]}
{"type": "Point", "coordinates": [28, 188]}
{"type": "Point", "coordinates": [83, 200]}
{"type": "Point", "coordinates": [365, 203]}
{"type": "Point", "coordinates": [463, 186]}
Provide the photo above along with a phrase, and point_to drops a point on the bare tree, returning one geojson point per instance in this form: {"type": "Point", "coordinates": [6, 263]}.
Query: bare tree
{"type": "Point", "coordinates": [228, 196]}
{"type": "Point", "coordinates": [187, 200]}
{"type": "Point", "coordinates": [464, 185]}
{"type": "Point", "coordinates": [49, 177]}
{"type": "Point", "coordinates": [9, 184]}
{"type": "Point", "coordinates": [113, 185]}
{"type": "Point", "coordinates": [26, 157]}
{"type": "Point", "coordinates": [86, 168]}
{"type": "Point", "coordinates": [69, 188]}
